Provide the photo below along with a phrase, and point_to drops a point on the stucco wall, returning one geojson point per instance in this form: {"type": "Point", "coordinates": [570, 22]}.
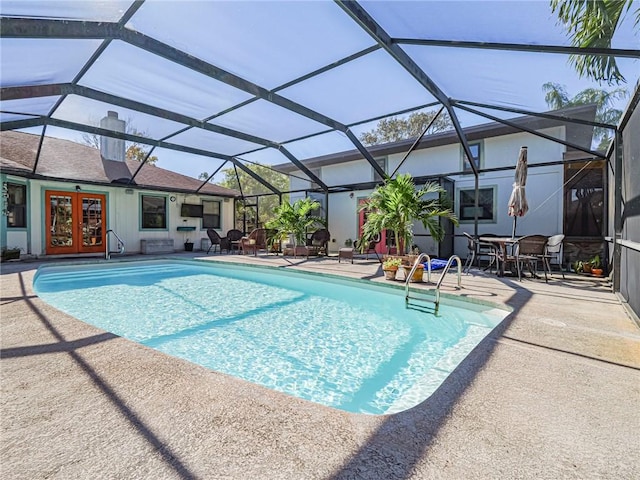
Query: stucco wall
{"type": "Point", "coordinates": [123, 216]}
{"type": "Point", "coordinates": [544, 184]}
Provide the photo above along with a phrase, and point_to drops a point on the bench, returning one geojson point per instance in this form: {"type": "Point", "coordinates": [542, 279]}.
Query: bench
{"type": "Point", "coordinates": [152, 246]}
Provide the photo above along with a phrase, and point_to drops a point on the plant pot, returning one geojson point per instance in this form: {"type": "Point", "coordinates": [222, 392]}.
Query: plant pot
{"type": "Point", "coordinates": [390, 273]}
{"type": "Point", "coordinates": [188, 246]}
{"type": "Point", "coordinates": [598, 272]}
{"type": "Point", "coordinates": [417, 274]}
{"type": "Point", "coordinates": [586, 268]}
{"type": "Point", "coordinates": [11, 254]}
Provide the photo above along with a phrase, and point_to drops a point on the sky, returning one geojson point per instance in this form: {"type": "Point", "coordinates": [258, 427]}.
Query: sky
{"type": "Point", "coordinates": [270, 43]}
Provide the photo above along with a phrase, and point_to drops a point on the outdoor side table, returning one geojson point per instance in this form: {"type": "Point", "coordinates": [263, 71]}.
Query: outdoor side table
{"type": "Point", "coordinates": [346, 253]}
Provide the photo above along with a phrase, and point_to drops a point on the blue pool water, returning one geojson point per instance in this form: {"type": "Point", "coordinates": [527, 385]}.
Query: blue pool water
{"type": "Point", "coordinates": [341, 343]}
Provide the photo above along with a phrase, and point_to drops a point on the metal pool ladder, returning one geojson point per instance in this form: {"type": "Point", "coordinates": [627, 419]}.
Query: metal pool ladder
{"type": "Point", "coordinates": [120, 250]}
{"type": "Point", "coordinates": [444, 272]}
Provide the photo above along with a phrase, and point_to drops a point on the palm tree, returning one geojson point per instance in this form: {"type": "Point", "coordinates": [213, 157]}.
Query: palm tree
{"type": "Point", "coordinates": [557, 97]}
{"type": "Point", "coordinates": [396, 204]}
{"type": "Point", "coordinates": [295, 219]}
{"type": "Point", "coordinates": [592, 24]}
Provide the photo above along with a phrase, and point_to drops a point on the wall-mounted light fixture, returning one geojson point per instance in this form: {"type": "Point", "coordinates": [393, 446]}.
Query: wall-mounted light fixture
{"type": "Point", "coordinates": [351, 195]}
{"type": "Point", "coordinates": [172, 198]}
{"type": "Point", "coordinates": [78, 188]}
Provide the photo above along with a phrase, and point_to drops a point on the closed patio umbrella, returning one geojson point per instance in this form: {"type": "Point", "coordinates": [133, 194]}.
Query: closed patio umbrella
{"type": "Point", "coordinates": [518, 200]}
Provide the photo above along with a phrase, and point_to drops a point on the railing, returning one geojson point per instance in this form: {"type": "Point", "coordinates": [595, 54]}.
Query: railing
{"type": "Point", "coordinates": [444, 272]}
{"type": "Point", "coordinates": [413, 269]}
{"type": "Point", "coordinates": [108, 251]}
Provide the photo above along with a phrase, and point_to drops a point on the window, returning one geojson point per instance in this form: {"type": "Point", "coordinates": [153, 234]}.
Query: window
{"type": "Point", "coordinates": [16, 205]}
{"type": "Point", "coordinates": [154, 212]}
{"type": "Point", "coordinates": [210, 214]}
{"type": "Point", "coordinates": [476, 151]}
{"type": "Point", "coordinates": [382, 163]}
{"type": "Point", "coordinates": [486, 203]}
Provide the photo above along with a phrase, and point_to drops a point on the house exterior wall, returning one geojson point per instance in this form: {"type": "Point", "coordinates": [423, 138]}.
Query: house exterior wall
{"type": "Point", "coordinates": [544, 186]}
{"type": "Point", "coordinates": [123, 216]}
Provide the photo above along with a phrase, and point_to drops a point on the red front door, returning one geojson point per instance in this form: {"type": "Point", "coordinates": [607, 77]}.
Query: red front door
{"type": "Point", "coordinates": [381, 246]}
{"type": "Point", "coordinates": [75, 222]}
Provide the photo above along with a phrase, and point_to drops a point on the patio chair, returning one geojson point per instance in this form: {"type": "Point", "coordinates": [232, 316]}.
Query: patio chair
{"type": "Point", "coordinates": [368, 248]}
{"type": "Point", "coordinates": [215, 240]}
{"type": "Point", "coordinates": [553, 253]}
{"type": "Point", "coordinates": [256, 240]}
{"type": "Point", "coordinates": [317, 242]}
{"type": "Point", "coordinates": [530, 250]}
{"type": "Point", "coordinates": [232, 241]}
{"type": "Point", "coordinates": [477, 250]}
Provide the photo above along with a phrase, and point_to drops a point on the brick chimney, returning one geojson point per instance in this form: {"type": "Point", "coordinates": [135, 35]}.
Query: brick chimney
{"type": "Point", "coordinates": [112, 148]}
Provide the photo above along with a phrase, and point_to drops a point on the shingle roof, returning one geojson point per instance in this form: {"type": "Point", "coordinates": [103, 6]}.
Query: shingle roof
{"type": "Point", "coordinates": [64, 159]}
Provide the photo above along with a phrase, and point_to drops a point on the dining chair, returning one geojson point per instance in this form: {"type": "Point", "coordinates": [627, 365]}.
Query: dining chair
{"type": "Point", "coordinates": [476, 250]}
{"type": "Point", "coordinates": [554, 251]}
{"type": "Point", "coordinates": [530, 250]}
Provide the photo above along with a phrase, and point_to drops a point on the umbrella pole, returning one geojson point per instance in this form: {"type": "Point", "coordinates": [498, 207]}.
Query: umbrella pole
{"type": "Point", "coordinates": [515, 219]}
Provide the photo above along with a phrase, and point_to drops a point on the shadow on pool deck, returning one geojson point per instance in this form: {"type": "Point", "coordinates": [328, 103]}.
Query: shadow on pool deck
{"type": "Point", "coordinates": [552, 391]}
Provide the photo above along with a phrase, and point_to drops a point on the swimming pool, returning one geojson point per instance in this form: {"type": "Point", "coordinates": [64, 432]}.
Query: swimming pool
{"type": "Point", "coordinates": [347, 344]}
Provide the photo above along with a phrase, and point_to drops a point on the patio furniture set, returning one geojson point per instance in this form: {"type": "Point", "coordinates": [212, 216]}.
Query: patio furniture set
{"type": "Point", "coordinates": [316, 243]}
{"type": "Point", "coordinates": [509, 253]}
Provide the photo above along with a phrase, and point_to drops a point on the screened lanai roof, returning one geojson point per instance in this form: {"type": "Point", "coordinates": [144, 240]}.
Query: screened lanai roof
{"type": "Point", "coordinates": [213, 84]}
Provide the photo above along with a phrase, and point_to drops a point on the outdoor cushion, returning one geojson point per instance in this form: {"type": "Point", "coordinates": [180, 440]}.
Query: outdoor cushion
{"type": "Point", "coordinates": [437, 264]}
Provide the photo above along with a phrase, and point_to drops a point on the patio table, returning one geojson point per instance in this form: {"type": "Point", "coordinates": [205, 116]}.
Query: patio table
{"type": "Point", "coordinates": [504, 245]}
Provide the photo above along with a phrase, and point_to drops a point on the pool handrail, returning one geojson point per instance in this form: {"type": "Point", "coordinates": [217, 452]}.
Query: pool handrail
{"type": "Point", "coordinates": [121, 246]}
{"type": "Point", "coordinates": [444, 272]}
{"type": "Point", "coordinates": [413, 269]}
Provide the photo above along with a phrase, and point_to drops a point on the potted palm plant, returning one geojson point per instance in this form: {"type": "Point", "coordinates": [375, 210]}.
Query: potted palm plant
{"type": "Point", "coordinates": [395, 205]}
{"type": "Point", "coordinates": [294, 220]}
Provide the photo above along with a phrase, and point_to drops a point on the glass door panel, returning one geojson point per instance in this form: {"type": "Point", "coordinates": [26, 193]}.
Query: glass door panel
{"type": "Point", "coordinates": [60, 226]}
{"type": "Point", "coordinates": [91, 222]}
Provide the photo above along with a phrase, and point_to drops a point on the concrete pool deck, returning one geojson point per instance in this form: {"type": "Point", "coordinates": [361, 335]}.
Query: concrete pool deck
{"type": "Point", "coordinates": [553, 392]}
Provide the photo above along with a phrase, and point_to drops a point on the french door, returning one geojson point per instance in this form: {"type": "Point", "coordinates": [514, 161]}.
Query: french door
{"type": "Point", "coordinates": [75, 222]}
